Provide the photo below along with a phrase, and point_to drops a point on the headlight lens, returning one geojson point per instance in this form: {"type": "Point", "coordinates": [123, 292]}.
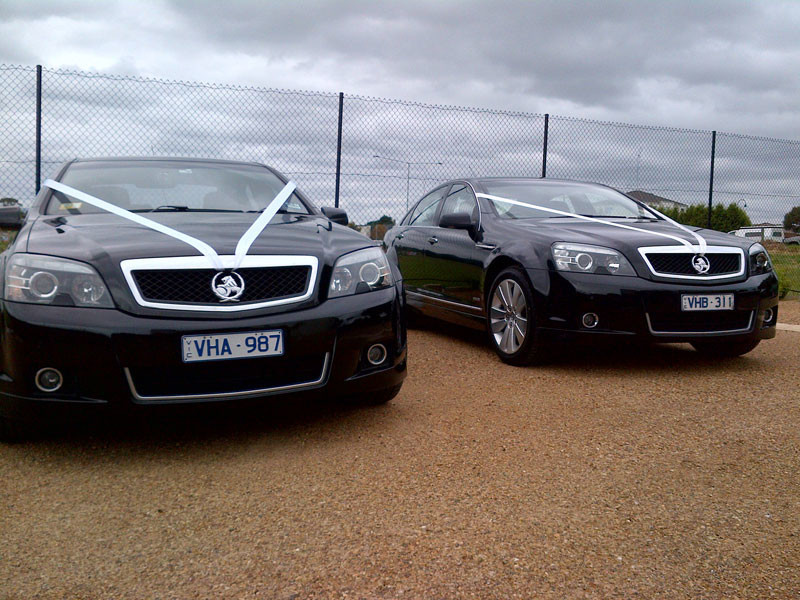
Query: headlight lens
{"type": "Point", "coordinates": [760, 261]}
{"type": "Point", "coordinates": [581, 258]}
{"type": "Point", "coordinates": [39, 279]}
{"type": "Point", "coordinates": [361, 271]}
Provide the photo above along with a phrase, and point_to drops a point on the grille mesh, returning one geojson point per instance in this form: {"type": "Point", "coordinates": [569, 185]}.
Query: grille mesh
{"type": "Point", "coordinates": [193, 286]}
{"type": "Point", "coordinates": [227, 376]}
{"type": "Point", "coordinates": [681, 264]}
{"type": "Point", "coordinates": [701, 321]}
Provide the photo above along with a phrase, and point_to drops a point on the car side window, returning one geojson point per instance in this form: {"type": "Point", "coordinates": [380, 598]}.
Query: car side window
{"type": "Point", "coordinates": [460, 200]}
{"type": "Point", "coordinates": [425, 211]}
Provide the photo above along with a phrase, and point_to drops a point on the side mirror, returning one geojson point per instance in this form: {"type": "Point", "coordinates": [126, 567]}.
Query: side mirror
{"type": "Point", "coordinates": [11, 217]}
{"type": "Point", "coordinates": [337, 215]}
{"type": "Point", "coordinates": [457, 221]}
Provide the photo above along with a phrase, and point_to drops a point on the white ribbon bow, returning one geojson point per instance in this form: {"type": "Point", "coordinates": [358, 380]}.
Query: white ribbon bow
{"type": "Point", "coordinates": [700, 239]}
{"type": "Point", "coordinates": [242, 247]}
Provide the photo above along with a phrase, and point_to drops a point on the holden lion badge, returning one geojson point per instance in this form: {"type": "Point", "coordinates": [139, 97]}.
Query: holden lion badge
{"type": "Point", "coordinates": [701, 264]}
{"type": "Point", "coordinates": [228, 287]}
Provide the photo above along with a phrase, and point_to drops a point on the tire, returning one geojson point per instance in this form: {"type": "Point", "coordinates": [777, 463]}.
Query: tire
{"type": "Point", "coordinates": [12, 431]}
{"type": "Point", "coordinates": [725, 349]}
{"type": "Point", "coordinates": [510, 322]}
{"type": "Point", "coordinates": [414, 318]}
{"type": "Point", "coordinates": [376, 398]}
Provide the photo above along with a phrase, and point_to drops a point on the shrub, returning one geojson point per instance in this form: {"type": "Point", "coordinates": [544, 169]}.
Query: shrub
{"type": "Point", "coordinates": [723, 218]}
{"type": "Point", "coordinates": [791, 221]}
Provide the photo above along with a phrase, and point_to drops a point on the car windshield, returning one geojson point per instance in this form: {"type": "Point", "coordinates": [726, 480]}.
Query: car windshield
{"type": "Point", "coordinates": [585, 200]}
{"type": "Point", "coordinates": [173, 186]}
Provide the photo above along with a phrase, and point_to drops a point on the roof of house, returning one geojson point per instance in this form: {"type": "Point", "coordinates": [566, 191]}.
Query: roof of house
{"type": "Point", "coordinates": [649, 198]}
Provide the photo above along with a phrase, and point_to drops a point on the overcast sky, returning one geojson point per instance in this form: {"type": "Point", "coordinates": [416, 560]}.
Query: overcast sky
{"type": "Point", "coordinates": [729, 65]}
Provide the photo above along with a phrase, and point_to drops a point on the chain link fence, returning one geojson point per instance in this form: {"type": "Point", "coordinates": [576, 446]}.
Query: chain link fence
{"type": "Point", "coordinates": [375, 157]}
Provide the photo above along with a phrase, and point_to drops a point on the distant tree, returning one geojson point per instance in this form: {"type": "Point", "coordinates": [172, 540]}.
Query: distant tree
{"type": "Point", "coordinates": [723, 218]}
{"type": "Point", "coordinates": [791, 221]}
{"type": "Point", "coordinates": [384, 220]}
{"type": "Point", "coordinates": [352, 225]}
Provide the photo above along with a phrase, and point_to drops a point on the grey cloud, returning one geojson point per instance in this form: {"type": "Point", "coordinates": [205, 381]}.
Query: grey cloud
{"type": "Point", "coordinates": [705, 65]}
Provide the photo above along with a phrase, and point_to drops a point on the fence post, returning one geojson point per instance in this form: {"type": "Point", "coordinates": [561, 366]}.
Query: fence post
{"type": "Point", "coordinates": [38, 127]}
{"type": "Point", "coordinates": [544, 149]}
{"type": "Point", "coordinates": [339, 150]}
{"type": "Point", "coordinates": [711, 181]}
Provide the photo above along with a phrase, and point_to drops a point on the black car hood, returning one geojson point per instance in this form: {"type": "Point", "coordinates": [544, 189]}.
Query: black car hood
{"type": "Point", "coordinates": [90, 238]}
{"type": "Point", "coordinates": [646, 233]}
{"type": "Point", "coordinates": [105, 240]}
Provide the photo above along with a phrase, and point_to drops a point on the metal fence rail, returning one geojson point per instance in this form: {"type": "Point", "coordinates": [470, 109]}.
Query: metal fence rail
{"type": "Point", "coordinates": [374, 156]}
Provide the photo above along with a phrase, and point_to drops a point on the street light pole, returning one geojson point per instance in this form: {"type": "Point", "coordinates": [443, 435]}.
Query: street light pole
{"type": "Point", "coordinates": [408, 181]}
{"type": "Point", "coordinates": [408, 170]}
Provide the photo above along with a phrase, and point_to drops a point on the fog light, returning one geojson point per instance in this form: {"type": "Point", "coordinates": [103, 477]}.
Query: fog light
{"type": "Point", "coordinates": [769, 314]}
{"type": "Point", "coordinates": [49, 379]}
{"type": "Point", "coordinates": [590, 320]}
{"type": "Point", "coordinates": [376, 354]}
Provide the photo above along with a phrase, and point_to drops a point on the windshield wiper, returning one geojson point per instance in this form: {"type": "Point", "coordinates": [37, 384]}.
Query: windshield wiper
{"type": "Point", "coordinates": [174, 207]}
{"type": "Point", "coordinates": [178, 208]}
{"type": "Point", "coordinates": [280, 211]}
{"type": "Point", "coordinates": [603, 217]}
{"type": "Point", "coordinates": [568, 216]}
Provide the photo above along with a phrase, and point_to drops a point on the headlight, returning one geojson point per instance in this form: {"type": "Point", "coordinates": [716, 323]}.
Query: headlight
{"type": "Point", "coordinates": [760, 261]}
{"type": "Point", "coordinates": [580, 258]}
{"type": "Point", "coordinates": [361, 271]}
{"type": "Point", "coordinates": [39, 279]}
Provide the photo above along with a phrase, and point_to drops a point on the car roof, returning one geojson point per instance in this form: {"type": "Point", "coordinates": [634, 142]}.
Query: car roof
{"type": "Point", "coordinates": [186, 159]}
{"type": "Point", "coordinates": [483, 182]}
{"type": "Point", "coordinates": [537, 180]}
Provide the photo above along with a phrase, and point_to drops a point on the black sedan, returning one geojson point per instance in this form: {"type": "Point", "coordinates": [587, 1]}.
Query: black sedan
{"type": "Point", "coordinates": [143, 282]}
{"type": "Point", "coordinates": [538, 261]}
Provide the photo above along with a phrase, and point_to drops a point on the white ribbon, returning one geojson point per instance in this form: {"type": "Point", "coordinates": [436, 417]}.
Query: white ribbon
{"type": "Point", "coordinates": [261, 222]}
{"type": "Point", "coordinates": [241, 248]}
{"type": "Point", "coordinates": [700, 240]}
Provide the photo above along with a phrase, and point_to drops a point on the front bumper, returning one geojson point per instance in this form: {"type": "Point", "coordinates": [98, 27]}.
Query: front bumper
{"type": "Point", "coordinates": [633, 307]}
{"type": "Point", "coordinates": [120, 361]}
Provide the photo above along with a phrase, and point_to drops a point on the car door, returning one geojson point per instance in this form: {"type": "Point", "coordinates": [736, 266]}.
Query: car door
{"type": "Point", "coordinates": [453, 265]}
{"type": "Point", "coordinates": [411, 241]}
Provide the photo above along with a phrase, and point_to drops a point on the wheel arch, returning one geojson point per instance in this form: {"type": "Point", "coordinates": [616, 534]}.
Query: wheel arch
{"type": "Point", "coordinates": [496, 266]}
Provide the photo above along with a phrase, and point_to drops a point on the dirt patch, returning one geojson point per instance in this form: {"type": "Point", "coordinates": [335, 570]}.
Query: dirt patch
{"type": "Point", "coordinates": [789, 312]}
{"type": "Point", "coordinates": [608, 474]}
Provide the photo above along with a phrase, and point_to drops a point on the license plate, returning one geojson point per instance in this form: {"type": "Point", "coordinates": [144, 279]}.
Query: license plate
{"type": "Point", "coordinates": [707, 302]}
{"type": "Point", "coordinates": [232, 345]}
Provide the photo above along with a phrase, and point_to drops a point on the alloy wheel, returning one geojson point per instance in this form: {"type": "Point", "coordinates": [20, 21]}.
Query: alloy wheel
{"type": "Point", "coordinates": [508, 316]}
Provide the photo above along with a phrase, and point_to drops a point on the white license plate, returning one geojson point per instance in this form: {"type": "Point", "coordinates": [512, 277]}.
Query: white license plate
{"type": "Point", "coordinates": [232, 345]}
{"type": "Point", "coordinates": [707, 302]}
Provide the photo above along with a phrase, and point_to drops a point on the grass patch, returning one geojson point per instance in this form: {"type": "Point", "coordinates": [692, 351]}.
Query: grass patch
{"type": "Point", "coordinates": [6, 237]}
{"type": "Point", "coordinates": [786, 260]}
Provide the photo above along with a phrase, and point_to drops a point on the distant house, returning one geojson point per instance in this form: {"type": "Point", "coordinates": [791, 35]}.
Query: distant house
{"type": "Point", "coordinates": [763, 231]}
{"type": "Point", "coordinates": [655, 201]}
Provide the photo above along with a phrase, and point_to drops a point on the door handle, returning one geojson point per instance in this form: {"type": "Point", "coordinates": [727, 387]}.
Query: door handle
{"type": "Point", "coordinates": [433, 240]}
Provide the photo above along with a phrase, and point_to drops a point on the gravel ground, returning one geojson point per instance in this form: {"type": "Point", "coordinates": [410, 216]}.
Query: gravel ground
{"type": "Point", "coordinates": [789, 312]}
{"type": "Point", "coordinates": [612, 473]}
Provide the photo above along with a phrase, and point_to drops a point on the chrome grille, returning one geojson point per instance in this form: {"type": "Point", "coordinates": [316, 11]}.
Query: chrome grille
{"type": "Point", "coordinates": [227, 379]}
{"type": "Point", "coordinates": [699, 323]}
{"type": "Point", "coordinates": [194, 285]}
{"type": "Point", "coordinates": [676, 262]}
{"type": "Point", "coordinates": [184, 282]}
{"type": "Point", "coordinates": [681, 264]}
